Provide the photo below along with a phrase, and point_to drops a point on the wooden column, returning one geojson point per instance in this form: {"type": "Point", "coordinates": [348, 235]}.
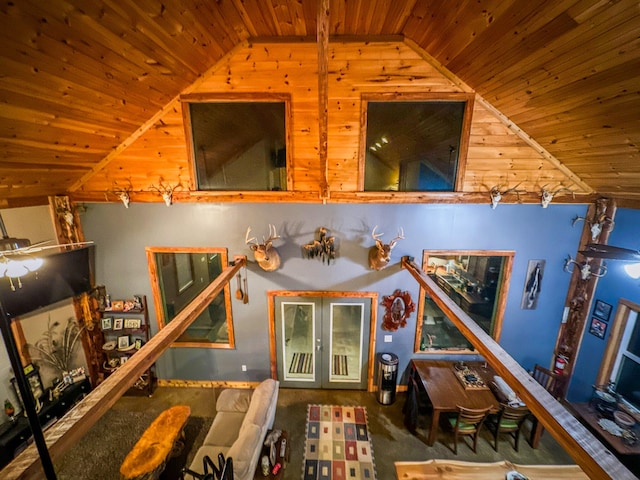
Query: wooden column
{"type": "Point", "coordinates": [580, 294]}
{"type": "Point", "coordinates": [323, 95]}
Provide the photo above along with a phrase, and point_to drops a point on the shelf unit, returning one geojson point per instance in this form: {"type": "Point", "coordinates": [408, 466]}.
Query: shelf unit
{"type": "Point", "coordinates": [125, 327]}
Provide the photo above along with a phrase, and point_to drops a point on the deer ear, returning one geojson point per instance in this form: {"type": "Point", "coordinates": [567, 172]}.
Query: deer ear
{"type": "Point", "coordinates": [253, 247]}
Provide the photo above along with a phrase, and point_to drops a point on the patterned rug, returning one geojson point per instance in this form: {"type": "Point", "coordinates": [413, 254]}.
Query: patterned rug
{"type": "Point", "coordinates": [337, 444]}
{"type": "Point", "coordinates": [301, 363]}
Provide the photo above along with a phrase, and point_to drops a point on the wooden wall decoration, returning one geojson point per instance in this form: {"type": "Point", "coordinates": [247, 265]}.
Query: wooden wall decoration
{"type": "Point", "coordinates": [324, 247]}
{"type": "Point", "coordinates": [399, 307]}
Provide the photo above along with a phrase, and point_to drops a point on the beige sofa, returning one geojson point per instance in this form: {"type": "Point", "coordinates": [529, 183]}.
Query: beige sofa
{"type": "Point", "coordinates": [242, 420]}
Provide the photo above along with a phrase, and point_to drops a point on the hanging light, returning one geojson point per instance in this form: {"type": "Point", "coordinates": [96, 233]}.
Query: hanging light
{"type": "Point", "coordinates": [633, 270]}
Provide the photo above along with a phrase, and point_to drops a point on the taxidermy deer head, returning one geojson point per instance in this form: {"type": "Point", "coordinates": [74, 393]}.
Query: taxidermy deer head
{"type": "Point", "coordinates": [166, 191]}
{"type": "Point", "coordinates": [546, 195]}
{"type": "Point", "coordinates": [380, 254]}
{"type": "Point", "coordinates": [585, 269]}
{"type": "Point", "coordinates": [265, 253]}
{"type": "Point", "coordinates": [496, 194]}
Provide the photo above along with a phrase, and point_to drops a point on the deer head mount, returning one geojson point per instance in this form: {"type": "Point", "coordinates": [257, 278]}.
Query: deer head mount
{"type": "Point", "coordinates": [547, 195]}
{"type": "Point", "coordinates": [123, 193]}
{"type": "Point", "coordinates": [166, 191]}
{"type": "Point", "coordinates": [265, 253]}
{"type": "Point", "coordinates": [380, 253]}
{"type": "Point", "coordinates": [586, 271]}
{"type": "Point", "coordinates": [601, 221]}
{"type": "Point", "coordinates": [497, 194]}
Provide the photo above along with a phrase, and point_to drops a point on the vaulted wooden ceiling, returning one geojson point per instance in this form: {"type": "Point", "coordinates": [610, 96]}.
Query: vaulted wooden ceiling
{"type": "Point", "coordinates": [81, 80]}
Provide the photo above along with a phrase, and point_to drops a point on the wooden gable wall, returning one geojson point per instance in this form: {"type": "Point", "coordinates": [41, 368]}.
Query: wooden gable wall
{"type": "Point", "coordinates": [498, 154]}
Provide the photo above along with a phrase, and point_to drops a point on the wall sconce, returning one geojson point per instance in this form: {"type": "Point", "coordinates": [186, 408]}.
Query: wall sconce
{"type": "Point", "coordinates": [633, 270]}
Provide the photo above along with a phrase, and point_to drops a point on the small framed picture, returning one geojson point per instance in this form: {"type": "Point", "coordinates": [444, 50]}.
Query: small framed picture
{"type": "Point", "coordinates": [602, 310]}
{"type": "Point", "coordinates": [123, 342]}
{"type": "Point", "coordinates": [123, 360]}
{"type": "Point", "coordinates": [138, 344]}
{"type": "Point", "coordinates": [118, 323]}
{"type": "Point", "coordinates": [117, 305]}
{"type": "Point", "coordinates": [597, 327]}
{"type": "Point", "coordinates": [107, 323]}
{"type": "Point", "coordinates": [132, 323]}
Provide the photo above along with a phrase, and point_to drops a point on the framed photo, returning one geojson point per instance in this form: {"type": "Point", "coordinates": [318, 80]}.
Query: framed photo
{"type": "Point", "coordinates": [132, 323]}
{"type": "Point", "coordinates": [35, 383]}
{"type": "Point", "coordinates": [138, 344]}
{"type": "Point", "coordinates": [123, 342]}
{"type": "Point", "coordinates": [602, 310]}
{"type": "Point", "coordinates": [118, 323]}
{"type": "Point", "coordinates": [597, 327]}
{"type": "Point", "coordinates": [107, 323]}
{"type": "Point", "coordinates": [117, 305]}
{"type": "Point", "coordinates": [123, 360]}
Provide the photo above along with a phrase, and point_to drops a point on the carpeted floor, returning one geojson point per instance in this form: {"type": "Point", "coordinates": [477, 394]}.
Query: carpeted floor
{"type": "Point", "coordinates": [101, 451]}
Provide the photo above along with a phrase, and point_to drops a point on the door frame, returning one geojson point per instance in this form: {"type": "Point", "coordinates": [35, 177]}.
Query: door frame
{"type": "Point", "coordinates": [373, 296]}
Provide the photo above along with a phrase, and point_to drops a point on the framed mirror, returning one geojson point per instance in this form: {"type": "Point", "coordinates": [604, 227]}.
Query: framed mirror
{"type": "Point", "coordinates": [477, 281]}
{"type": "Point", "coordinates": [180, 274]}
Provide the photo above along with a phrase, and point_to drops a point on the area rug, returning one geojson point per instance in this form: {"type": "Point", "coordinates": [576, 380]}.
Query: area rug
{"type": "Point", "coordinates": [340, 365]}
{"type": "Point", "coordinates": [337, 444]}
{"type": "Point", "coordinates": [301, 363]}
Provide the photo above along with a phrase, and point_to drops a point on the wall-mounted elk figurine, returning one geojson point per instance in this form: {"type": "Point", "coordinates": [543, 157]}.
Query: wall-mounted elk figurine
{"type": "Point", "coordinates": [380, 253]}
{"type": "Point", "coordinates": [166, 191]}
{"type": "Point", "coordinates": [496, 194]}
{"type": "Point", "coordinates": [265, 253]}
{"type": "Point", "coordinates": [123, 194]}
{"type": "Point", "coordinates": [547, 195]}
{"type": "Point", "coordinates": [585, 269]}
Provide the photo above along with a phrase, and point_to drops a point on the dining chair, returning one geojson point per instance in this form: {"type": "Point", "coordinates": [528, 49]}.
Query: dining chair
{"type": "Point", "coordinates": [468, 422]}
{"type": "Point", "coordinates": [508, 420]}
{"type": "Point", "coordinates": [554, 384]}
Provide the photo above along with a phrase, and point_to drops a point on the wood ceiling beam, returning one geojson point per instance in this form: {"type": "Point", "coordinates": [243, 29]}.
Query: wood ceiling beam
{"type": "Point", "coordinates": [586, 450]}
{"type": "Point", "coordinates": [70, 429]}
{"type": "Point", "coordinates": [323, 95]}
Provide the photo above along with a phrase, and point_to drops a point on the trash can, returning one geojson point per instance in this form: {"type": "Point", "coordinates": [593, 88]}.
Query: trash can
{"type": "Point", "coordinates": [387, 378]}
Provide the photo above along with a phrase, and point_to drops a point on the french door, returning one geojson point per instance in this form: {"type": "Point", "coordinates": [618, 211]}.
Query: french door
{"type": "Point", "coordinates": [322, 342]}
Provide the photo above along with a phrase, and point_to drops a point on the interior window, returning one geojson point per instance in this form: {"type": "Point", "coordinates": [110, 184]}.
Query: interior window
{"type": "Point", "coordinates": [626, 367]}
{"type": "Point", "coordinates": [238, 145]}
{"type": "Point", "coordinates": [477, 282]}
{"type": "Point", "coordinates": [414, 145]}
{"type": "Point", "coordinates": [179, 275]}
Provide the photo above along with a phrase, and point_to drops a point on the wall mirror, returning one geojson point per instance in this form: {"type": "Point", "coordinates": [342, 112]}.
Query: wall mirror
{"type": "Point", "coordinates": [477, 281]}
{"type": "Point", "coordinates": [178, 275]}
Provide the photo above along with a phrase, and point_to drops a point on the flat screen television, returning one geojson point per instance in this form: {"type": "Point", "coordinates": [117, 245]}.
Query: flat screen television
{"type": "Point", "coordinates": [62, 275]}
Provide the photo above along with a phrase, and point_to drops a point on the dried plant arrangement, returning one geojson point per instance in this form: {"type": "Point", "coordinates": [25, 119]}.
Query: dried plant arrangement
{"type": "Point", "coordinates": [57, 346]}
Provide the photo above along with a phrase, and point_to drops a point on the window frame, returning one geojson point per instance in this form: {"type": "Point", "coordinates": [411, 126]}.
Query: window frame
{"type": "Point", "coordinates": [158, 298]}
{"type": "Point", "coordinates": [468, 98]}
{"type": "Point", "coordinates": [499, 305]}
{"type": "Point", "coordinates": [188, 99]}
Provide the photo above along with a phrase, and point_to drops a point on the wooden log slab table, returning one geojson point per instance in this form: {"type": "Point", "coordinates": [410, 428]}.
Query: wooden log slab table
{"type": "Point", "coordinates": [160, 441]}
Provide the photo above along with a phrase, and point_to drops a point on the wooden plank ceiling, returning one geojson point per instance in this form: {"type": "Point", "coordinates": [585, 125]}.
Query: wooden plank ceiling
{"type": "Point", "coordinates": [90, 88]}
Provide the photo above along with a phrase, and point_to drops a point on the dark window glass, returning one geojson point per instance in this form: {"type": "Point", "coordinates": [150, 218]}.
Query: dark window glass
{"type": "Point", "coordinates": [412, 146]}
{"type": "Point", "coordinates": [627, 381]}
{"type": "Point", "coordinates": [239, 145]}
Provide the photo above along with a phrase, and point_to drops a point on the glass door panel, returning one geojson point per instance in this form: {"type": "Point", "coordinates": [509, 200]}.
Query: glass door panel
{"type": "Point", "coordinates": [297, 338]}
{"type": "Point", "coordinates": [346, 342]}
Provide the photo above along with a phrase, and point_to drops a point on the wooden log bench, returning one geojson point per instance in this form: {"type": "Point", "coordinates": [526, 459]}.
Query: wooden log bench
{"type": "Point", "coordinates": [159, 442]}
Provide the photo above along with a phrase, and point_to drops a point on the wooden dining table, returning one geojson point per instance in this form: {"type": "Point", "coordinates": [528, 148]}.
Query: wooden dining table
{"type": "Point", "coordinates": [446, 392]}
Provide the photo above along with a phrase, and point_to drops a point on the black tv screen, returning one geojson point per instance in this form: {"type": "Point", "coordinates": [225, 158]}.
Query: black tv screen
{"type": "Point", "coordinates": [61, 276]}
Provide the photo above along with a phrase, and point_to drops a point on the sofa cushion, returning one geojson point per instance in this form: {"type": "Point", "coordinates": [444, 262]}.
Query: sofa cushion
{"type": "Point", "coordinates": [245, 452]}
{"type": "Point", "coordinates": [263, 402]}
{"type": "Point", "coordinates": [224, 429]}
{"type": "Point", "coordinates": [233, 400]}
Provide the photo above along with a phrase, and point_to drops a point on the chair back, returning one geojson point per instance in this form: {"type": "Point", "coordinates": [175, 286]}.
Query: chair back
{"type": "Point", "coordinates": [552, 382]}
{"type": "Point", "coordinates": [469, 420]}
{"type": "Point", "coordinates": [512, 415]}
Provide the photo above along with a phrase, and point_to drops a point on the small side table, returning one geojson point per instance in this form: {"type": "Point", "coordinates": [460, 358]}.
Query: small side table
{"type": "Point", "coordinates": [283, 460]}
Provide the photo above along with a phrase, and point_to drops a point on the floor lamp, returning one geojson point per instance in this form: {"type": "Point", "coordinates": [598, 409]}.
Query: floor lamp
{"type": "Point", "coordinates": [27, 395]}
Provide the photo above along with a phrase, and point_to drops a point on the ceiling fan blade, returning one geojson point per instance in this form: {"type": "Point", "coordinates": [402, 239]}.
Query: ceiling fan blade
{"type": "Point", "coordinates": [594, 250]}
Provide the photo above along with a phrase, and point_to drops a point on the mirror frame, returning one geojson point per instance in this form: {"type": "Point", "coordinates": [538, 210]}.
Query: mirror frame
{"type": "Point", "coordinates": [158, 299]}
{"type": "Point", "coordinates": [500, 301]}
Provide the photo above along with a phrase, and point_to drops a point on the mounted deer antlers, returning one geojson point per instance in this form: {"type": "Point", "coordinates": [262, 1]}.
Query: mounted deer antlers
{"type": "Point", "coordinates": [496, 194]}
{"type": "Point", "coordinates": [166, 191]}
{"type": "Point", "coordinates": [380, 253]}
{"type": "Point", "coordinates": [546, 195]}
{"type": "Point", "coordinates": [121, 193]}
{"type": "Point", "coordinates": [585, 269]}
{"type": "Point", "coordinates": [265, 253]}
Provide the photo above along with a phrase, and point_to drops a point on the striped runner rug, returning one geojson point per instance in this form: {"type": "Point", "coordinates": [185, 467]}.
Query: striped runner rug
{"type": "Point", "coordinates": [337, 444]}
{"type": "Point", "coordinates": [301, 363]}
{"type": "Point", "coordinates": [340, 365]}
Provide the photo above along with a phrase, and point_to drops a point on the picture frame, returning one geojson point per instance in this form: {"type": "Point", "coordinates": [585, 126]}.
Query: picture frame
{"type": "Point", "coordinates": [117, 305]}
{"type": "Point", "coordinates": [602, 310]}
{"type": "Point", "coordinates": [597, 328]}
{"type": "Point", "coordinates": [138, 344]}
{"type": "Point", "coordinates": [123, 342]}
{"type": "Point", "coordinates": [123, 360]}
{"type": "Point", "coordinates": [35, 383]}
{"type": "Point", "coordinates": [107, 323]}
{"type": "Point", "coordinates": [118, 323]}
{"type": "Point", "coordinates": [132, 323]}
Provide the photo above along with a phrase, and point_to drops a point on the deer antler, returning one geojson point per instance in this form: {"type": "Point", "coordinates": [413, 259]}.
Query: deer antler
{"type": "Point", "coordinates": [400, 236]}
{"type": "Point", "coordinates": [121, 193]}
{"type": "Point", "coordinates": [373, 234]}
{"type": "Point", "coordinates": [166, 191]}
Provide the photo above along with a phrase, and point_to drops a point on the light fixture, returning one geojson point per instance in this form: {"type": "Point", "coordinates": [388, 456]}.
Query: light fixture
{"type": "Point", "coordinates": [14, 261]}
{"type": "Point", "coordinates": [633, 270]}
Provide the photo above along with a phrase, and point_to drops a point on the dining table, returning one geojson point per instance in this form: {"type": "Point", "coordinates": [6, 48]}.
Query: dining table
{"type": "Point", "coordinates": [446, 389]}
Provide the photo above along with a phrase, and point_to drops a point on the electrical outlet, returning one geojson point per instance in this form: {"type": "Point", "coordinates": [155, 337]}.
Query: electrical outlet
{"type": "Point", "coordinates": [244, 368]}
{"type": "Point", "coordinates": [388, 338]}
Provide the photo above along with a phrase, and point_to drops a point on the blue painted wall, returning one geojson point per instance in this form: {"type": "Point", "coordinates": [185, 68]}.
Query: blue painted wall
{"type": "Point", "coordinates": [614, 285]}
{"type": "Point", "coordinates": [530, 231]}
